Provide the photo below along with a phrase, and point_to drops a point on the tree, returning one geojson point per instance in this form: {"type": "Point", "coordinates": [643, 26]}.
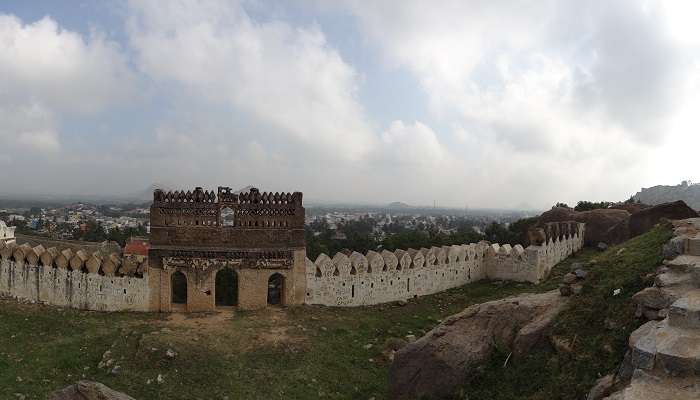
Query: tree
{"type": "Point", "coordinates": [589, 205]}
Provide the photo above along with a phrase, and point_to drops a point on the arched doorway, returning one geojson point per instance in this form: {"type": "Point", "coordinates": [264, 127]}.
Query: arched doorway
{"type": "Point", "coordinates": [178, 284]}
{"type": "Point", "coordinates": [226, 288]}
{"type": "Point", "coordinates": [275, 289]}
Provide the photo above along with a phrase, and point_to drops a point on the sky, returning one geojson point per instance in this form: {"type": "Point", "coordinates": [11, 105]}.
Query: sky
{"type": "Point", "coordinates": [498, 104]}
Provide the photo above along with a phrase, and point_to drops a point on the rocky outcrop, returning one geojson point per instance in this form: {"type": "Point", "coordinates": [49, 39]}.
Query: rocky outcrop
{"type": "Point", "coordinates": [616, 225]}
{"type": "Point", "coordinates": [604, 225]}
{"type": "Point", "coordinates": [644, 220]}
{"type": "Point", "coordinates": [557, 214]}
{"type": "Point", "coordinates": [436, 365]}
{"type": "Point", "coordinates": [88, 390]}
{"type": "Point", "coordinates": [646, 386]}
{"type": "Point", "coordinates": [686, 191]}
{"type": "Point", "coordinates": [663, 361]}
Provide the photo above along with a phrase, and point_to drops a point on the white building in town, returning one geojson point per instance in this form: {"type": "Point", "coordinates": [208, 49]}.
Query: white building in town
{"type": "Point", "coordinates": [7, 233]}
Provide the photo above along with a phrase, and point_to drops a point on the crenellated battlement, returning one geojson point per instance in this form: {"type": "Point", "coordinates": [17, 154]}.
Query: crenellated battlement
{"type": "Point", "coordinates": [113, 264]}
{"type": "Point", "coordinates": [356, 279]}
{"type": "Point", "coordinates": [227, 219]}
{"type": "Point", "coordinates": [102, 280]}
{"type": "Point", "coordinates": [74, 278]}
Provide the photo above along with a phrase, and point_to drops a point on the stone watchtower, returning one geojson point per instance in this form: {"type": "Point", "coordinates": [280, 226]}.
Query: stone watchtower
{"type": "Point", "coordinates": [226, 249]}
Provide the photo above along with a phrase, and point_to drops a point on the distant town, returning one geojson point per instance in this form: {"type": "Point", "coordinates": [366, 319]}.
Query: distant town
{"type": "Point", "coordinates": [326, 226]}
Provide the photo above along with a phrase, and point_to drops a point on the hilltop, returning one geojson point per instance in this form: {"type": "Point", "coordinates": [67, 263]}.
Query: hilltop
{"type": "Point", "coordinates": [686, 191]}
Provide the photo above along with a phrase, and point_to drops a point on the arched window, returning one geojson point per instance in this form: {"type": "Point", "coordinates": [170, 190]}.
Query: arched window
{"type": "Point", "coordinates": [227, 217]}
{"type": "Point", "coordinates": [226, 288]}
{"type": "Point", "coordinates": [178, 283]}
{"type": "Point", "coordinates": [275, 289]}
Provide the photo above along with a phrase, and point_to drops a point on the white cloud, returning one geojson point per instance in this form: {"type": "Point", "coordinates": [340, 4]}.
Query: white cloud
{"type": "Point", "coordinates": [555, 100]}
{"type": "Point", "coordinates": [288, 78]}
{"type": "Point", "coordinates": [46, 74]}
{"type": "Point", "coordinates": [46, 141]}
{"type": "Point", "coordinates": [58, 68]}
{"type": "Point", "coordinates": [528, 102]}
{"type": "Point", "coordinates": [412, 145]}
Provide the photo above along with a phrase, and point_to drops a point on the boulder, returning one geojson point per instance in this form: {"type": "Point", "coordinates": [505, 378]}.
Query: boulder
{"type": "Point", "coordinates": [602, 388]}
{"type": "Point", "coordinates": [580, 273]}
{"type": "Point", "coordinates": [653, 297]}
{"type": "Point", "coordinates": [566, 290]}
{"type": "Point", "coordinates": [604, 225]}
{"type": "Point", "coordinates": [88, 390]}
{"type": "Point", "coordinates": [435, 366]}
{"type": "Point", "coordinates": [630, 207]}
{"type": "Point", "coordinates": [557, 214]}
{"type": "Point", "coordinates": [674, 247]}
{"type": "Point", "coordinates": [569, 278]}
{"type": "Point", "coordinates": [642, 221]}
{"type": "Point", "coordinates": [536, 236]}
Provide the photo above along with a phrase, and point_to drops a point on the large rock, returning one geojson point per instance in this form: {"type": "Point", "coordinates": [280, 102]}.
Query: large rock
{"type": "Point", "coordinates": [642, 221]}
{"type": "Point", "coordinates": [654, 298]}
{"type": "Point", "coordinates": [436, 365]}
{"type": "Point", "coordinates": [604, 225]}
{"type": "Point", "coordinates": [602, 388]}
{"type": "Point", "coordinates": [88, 390]}
{"type": "Point", "coordinates": [630, 207]}
{"type": "Point", "coordinates": [647, 386]}
{"type": "Point", "coordinates": [557, 214]}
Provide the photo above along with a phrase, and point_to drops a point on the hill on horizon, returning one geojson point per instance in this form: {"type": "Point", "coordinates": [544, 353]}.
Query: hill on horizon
{"type": "Point", "coordinates": [398, 204]}
{"type": "Point", "coordinates": [686, 191]}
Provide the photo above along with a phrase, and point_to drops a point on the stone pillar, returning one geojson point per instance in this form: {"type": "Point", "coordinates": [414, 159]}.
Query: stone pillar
{"type": "Point", "coordinates": [298, 275]}
{"type": "Point", "coordinates": [200, 291]}
{"type": "Point", "coordinates": [252, 288]}
{"type": "Point", "coordinates": [154, 288]}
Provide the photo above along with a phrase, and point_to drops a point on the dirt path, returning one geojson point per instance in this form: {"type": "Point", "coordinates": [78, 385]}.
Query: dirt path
{"type": "Point", "coordinates": [270, 326]}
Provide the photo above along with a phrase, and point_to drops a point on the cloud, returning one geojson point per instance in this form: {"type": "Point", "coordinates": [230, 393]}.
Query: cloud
{"type": "Point", "coordinates": [47, 74]}
{"type": "Point", "coordinates": [580, 94]}
{"type": "Point", "coordinates": [412, 145]}
{"type": "Point", "coordinates": [61, 69]}
{"type": "Point", "coordinates": [287, 78]}
{"type": "Point", "coordinates": [527, 102]}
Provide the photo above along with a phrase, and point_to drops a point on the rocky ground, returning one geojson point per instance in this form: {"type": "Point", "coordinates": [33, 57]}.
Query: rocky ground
{"type": "Point", "coordinates": [663, 361]}
{"type": "Point", "coordinates": [613, 226]}
{"type": "Point", "coordinates": [436, 364]}
{"type": "Point", "coordinates": [556, 340]}
{"type": "Point", "coordinates": [553, 345]}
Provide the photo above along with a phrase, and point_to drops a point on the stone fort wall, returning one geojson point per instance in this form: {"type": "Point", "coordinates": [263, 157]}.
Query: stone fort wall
{"type": "Point", "coordinates": [364, 279]}
{"type": "Point", "coordinates": [70, 278]}
{"type": "Point", "coordinates": [74, 279]}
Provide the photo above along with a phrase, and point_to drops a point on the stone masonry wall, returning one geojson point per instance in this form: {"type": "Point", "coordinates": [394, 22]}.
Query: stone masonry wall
{"type": "Point", "coordinates": [111, 283]}
{"type": "Point", "coordinates": [68, 278]}
{"type": "Point", "coordinates": [75, 289]}
{"type": "Point", "coordinates": [356, 279]}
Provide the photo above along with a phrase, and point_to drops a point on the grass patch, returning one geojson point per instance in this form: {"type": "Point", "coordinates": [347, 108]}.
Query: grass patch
{"type": "Point", "coordinates": [290, 353]}
{"type": "Point", "coordinates": [596, 321]}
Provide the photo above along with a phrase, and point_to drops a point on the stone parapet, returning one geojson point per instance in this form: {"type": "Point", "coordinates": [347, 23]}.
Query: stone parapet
{"type": "Point", "coordinates": [374, 278]}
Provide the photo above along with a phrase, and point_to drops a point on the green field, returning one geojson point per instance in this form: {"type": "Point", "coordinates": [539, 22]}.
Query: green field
{"type": "Point", "coordinates": [299, 352]}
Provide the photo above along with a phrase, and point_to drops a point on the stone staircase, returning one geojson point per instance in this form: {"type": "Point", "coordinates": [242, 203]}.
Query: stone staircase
{"type": "Point", "coordinates": [665, 355]}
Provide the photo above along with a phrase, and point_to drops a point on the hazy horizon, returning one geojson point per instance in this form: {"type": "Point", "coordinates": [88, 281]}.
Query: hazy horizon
{"type": "Point", "coordinates": [486, 104]}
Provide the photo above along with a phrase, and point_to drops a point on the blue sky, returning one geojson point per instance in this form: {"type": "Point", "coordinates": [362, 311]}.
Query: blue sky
{"type": "Point", "coordinates": [479, 103]}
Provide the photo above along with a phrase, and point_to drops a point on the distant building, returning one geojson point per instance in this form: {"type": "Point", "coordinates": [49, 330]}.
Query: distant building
{"type": "Point", "coordinates": [137, 246]}
{"type": "Point", "coordinates": [7, 233]}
